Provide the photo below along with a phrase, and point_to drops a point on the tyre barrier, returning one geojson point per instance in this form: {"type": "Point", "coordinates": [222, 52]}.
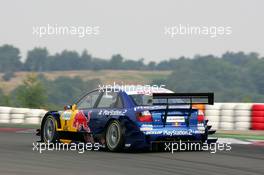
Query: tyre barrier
{"type": "Point", "coordinates": [232, 116]}
{"type": "Point", "coordinates": [215, 125]}
{"type": "Point", "coordinates": [17, 115]}
{"type": "Point", "coordinates": [224, 116]}
{"type": "Point", "coordinates": [5, 114]}
{"type": "Point", "coordinates": [21, 115]}
{"type": "Point", "coordinates": [34, 116]}
{"type": "Point", "coordinates": [213, 118]}
{"type": "Point", "coordinates": [227, 121]}
{"type": "Point", "coordinates": [242, 116]}
{"type": "Point", "coordinates": [212, 114]}
{"type": "Point", "coordinates": [258, 107]}
{"type": "Point", "coordinates": [216, 106]}
{"type": "Point", "coordinates": [226, 126]}
{"type": "Point", "coordinates": [257, 117]}
{"type": "Point", "coordinates": [242, 125]}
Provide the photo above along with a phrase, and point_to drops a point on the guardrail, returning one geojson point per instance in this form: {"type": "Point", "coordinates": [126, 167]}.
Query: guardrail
{"type": "Point", "coordinates": [224, 116]}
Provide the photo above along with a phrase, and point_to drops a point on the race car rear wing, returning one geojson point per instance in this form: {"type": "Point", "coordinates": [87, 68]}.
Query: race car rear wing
{"type": "Point", "coordinates": [173, 99]}
{"type": "Point", "coordinates": [183, 98]}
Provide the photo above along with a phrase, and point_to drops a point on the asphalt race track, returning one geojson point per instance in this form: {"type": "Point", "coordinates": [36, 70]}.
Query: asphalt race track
{"type": "Point", "coordinates": [17, 157]}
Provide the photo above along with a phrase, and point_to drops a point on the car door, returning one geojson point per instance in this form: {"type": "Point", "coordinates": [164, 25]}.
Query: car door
{"type": "Point", "coordinates": [108, 106]}
{"type": "Point", "coordinates": [85, 112]}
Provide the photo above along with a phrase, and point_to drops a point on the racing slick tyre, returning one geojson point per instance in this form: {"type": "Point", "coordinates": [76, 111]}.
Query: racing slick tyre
{"type": "Point", "coordinates": [114, 136]}
{"type": "Point", "coordinates": [48, 132]}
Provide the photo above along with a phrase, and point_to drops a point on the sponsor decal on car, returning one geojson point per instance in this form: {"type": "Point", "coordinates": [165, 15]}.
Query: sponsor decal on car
{"type": "Point", "coordinates": [173, 132]}
{"type": "Point", "coordinates": [148, 107]}
{"type": "Point", "coordinates": [81, 122]}
{"type": "Point", "coordinates": [172, 119]}
{"type": "Point", "coordinates": [112, 112]}
{"type": "Point", "coordinates": [66, 115]}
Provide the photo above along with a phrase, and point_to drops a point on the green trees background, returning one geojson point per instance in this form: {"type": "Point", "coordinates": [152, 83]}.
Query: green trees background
{"type": "Point", "coordinates": [231, 82]}
{"type": "Point", "coordinates": [234, 77]}
{"type": "Point", "coordinates": [31, 93]}
{"type": "Point", "coordinates": [38, 92]}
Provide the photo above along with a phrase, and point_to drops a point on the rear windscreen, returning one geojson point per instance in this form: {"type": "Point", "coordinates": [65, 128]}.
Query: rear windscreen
{"type": "Point", "coordinates": [147, 100]}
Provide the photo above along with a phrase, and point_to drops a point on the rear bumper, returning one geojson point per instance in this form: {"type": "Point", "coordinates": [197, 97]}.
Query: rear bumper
{"type": "Point", "coordinates": [168, 134]}
{"type": "Point", "coordinates": [172, 131]}
{"type": "Point", "coordinates": [165, 134]}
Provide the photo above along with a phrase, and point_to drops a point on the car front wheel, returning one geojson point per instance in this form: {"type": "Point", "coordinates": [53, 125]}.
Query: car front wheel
{"type": "Point", "coordinates": [49, 133]}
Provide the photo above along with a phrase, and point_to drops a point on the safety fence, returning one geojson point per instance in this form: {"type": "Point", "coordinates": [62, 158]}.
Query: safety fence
{"type": "Point", "coordinates": [223, 116]}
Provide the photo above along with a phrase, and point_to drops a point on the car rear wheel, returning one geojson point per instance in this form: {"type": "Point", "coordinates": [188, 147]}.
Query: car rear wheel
{"type": "Point", "coordinates": [49, 133]}
{"type": "Point", "coordinates": [114, 136]}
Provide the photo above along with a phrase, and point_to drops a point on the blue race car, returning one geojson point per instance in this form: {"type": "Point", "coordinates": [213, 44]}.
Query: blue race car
{"type": "Point", "coordinates": [129, 119]}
